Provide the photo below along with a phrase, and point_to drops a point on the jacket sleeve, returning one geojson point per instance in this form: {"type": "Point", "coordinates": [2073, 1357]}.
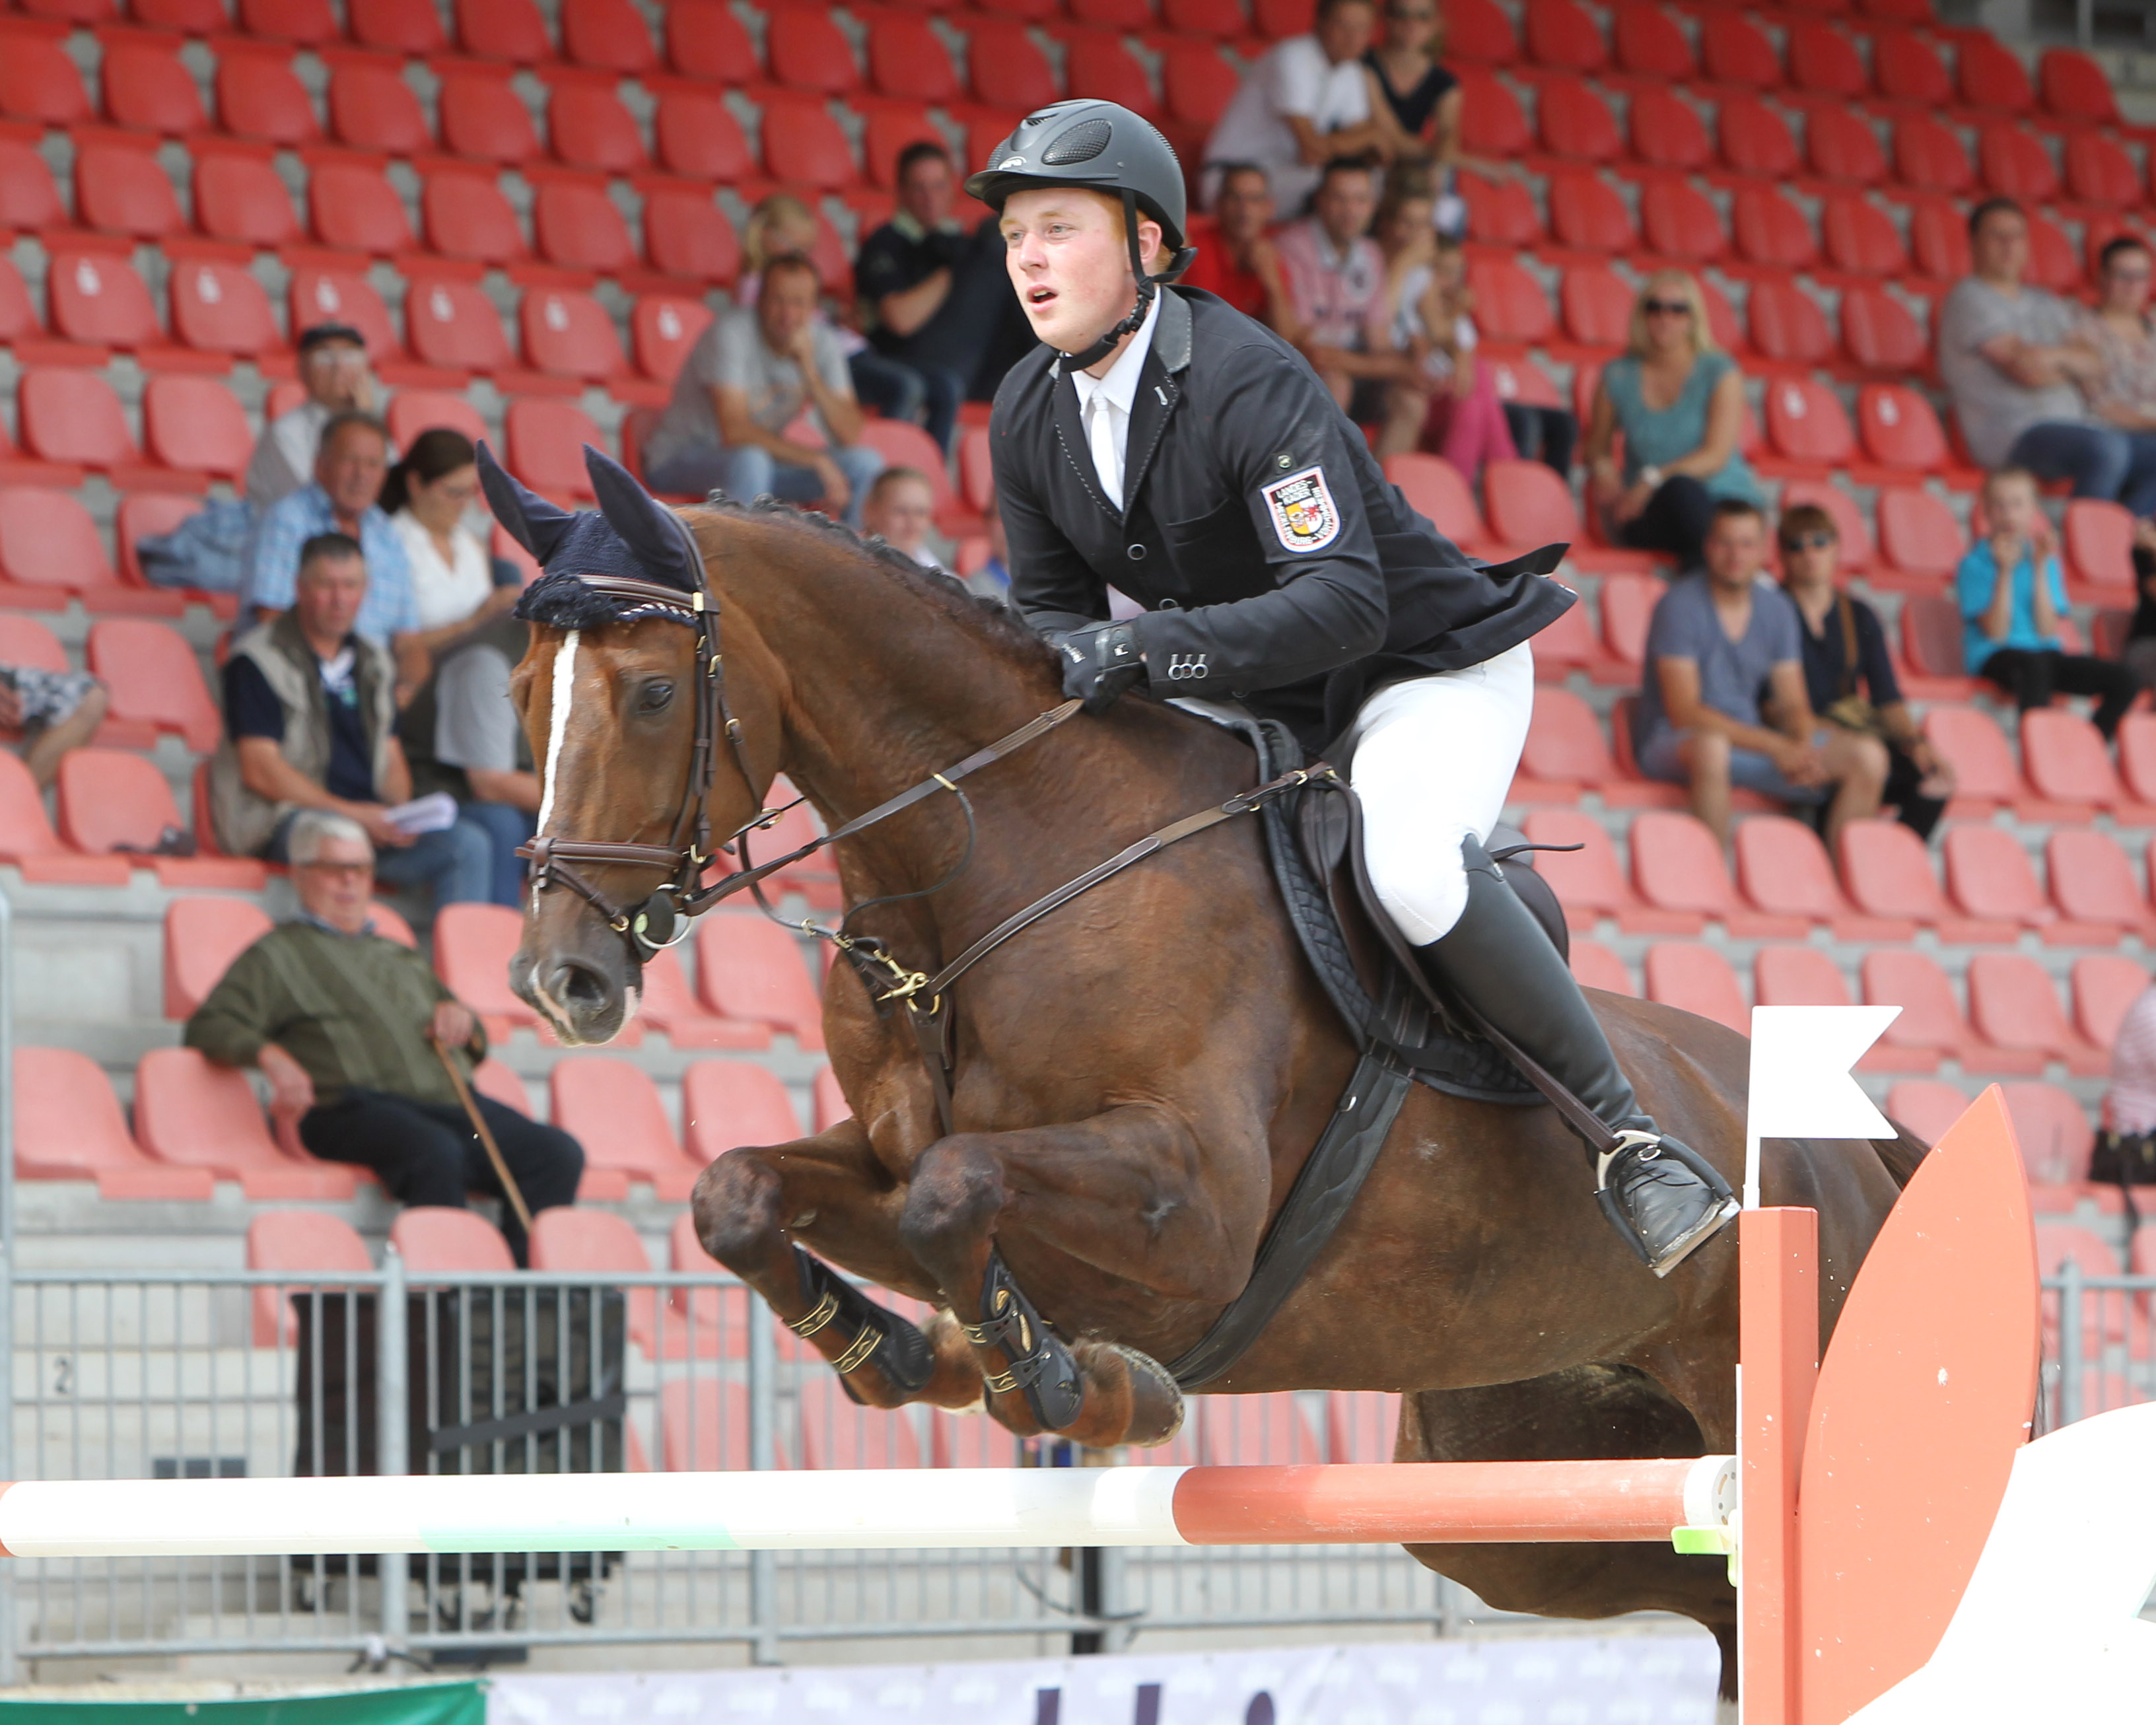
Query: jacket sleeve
{"type": "Point", "coordinates": [240, 1013]}
{"type": "Point", "coordinates": [1283, 452]}
{"type": "Point", "coordinates": [1054, 588]}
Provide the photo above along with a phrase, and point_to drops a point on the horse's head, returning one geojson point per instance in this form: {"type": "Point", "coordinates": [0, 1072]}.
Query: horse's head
{"type": "Point", "coordinates": [615, 696]}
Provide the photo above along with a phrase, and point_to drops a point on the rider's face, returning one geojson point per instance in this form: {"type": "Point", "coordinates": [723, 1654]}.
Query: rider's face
{"type": "Point", "coordinates": [1068, 262]}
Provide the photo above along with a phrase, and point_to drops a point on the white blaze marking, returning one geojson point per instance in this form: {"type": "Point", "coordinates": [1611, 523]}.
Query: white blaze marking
{"type": "Point", "coordinates": [557, 719]}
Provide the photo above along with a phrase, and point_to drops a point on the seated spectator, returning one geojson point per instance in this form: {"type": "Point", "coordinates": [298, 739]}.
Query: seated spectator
{"type": "Point", "coordinates": [2017, 362]}
{"type": "Point", "coordinates": [1848, 673]}
{"type": "Point", "coordinates": [921, 285]}
{"type": "Point", "coordinates": [1452, 407]}
{"type": "Point", "coordinates": [900, 511]}
{"type": "Point", "coordinates": [344, 1025]}
{"type": "Point", "coordinates": [1678, 401]}
{"type": "Point", "coordinates": [1336, 277]}
{"type": "Point", "coordinates": [1718, 642]}
{"type": "Point", "coordinates": [1416, 101]}
{"type": "Point", "coordinates": [2129, 1104]}
{"type": "Point", "coordinates": [333, 369]}
{"type": "Point", "coordinates": [1238, 260]}
{"type": "Point", "coordinates": [55, 711]}
{"type": "Point", "coordinates": [2123, 390]}
{"type": "Point", "coordinates": [992, 580]}
{"type": "Point", "coordinates": [2012, 598]}
{"type": "Point", "coordinates": [750, 376]}
{"type": "Point", "coordinates": [1306, 103]}
{"type": "Point", "coordinates": [456, 588]}
{"type": "Point", "coordinates": [310, 723]}
{"type": "Point", "coordinates": [343, 497]}
{"type": "Point", "coordinates": [2140, 654]}
{"type": "Point", "coordinates": [461, 735]}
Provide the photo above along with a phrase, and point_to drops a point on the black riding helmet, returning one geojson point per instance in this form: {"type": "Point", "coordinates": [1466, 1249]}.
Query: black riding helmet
{"type": "Point", "coordinates": [1106, 146]}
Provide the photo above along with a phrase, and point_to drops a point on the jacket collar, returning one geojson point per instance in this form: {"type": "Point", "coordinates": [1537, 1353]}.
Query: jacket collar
{"type": "Point", "coordinates": [1160, 387]}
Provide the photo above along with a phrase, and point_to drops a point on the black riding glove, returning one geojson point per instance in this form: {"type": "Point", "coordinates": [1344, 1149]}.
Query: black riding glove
{"type": "Point", "coordinates": [1100, 662]}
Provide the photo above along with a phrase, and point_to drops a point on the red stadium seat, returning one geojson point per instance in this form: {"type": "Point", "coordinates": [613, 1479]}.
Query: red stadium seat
{"type": "Point", "coordinates": [1927, 1107]}
{"type": "Point", "coordinates": [838, 1432]}
{"type": "Point", "coordinates": [154, 677]}
{"type": "Point", "coordinates": [1879, 333]}
{"type": "Point", "coordinates": [1783, 869]}
{"type": "Point", "coordinates": [2099, 542]}
{"type": "Point", "coordinates": [1565, 753]}
{"type": "Point", "coordinates": [1587, 215]}
{"type": "Point", "coordinates": [1589, 882]}
{"type": "Point", "coordinates": [726, 1104]}
{"type": "Point", "coordinates": [112, 800]}
{"type": "Point", "coordinates": [2075, 88]}
{"type": "Point", "coordinates": [123, 189]}
{"type": "Point", "coordinates": [308, 1243]}
{"type": "Point", "coordinates": [1510, 304]}
{"type": "Point", "coordinates": [483, 115]}
{"type": "Point", "coordinates": [1787, 324]}
{"type": "Point", "coordinates": [663, 329]}
{"type": "Point", "coordinates": [1823, 61]}
{"type": "Point", "coordinates": [202, 935]}
{"type": "Point", "coordinates": [1572, 120]}
{"type": "Point", "coordinates": [1665, 130]}
{"type": "Point", "coordinates": [1991, 75]}
{"type": "Point", "coordinates": [807, 50]}
{"type": "Point", "coordinates": [2014, 1004]}
{"type": "Point", "coordinates": [466, 216]}
{"type": "Point", "coordinates": [2092, 883]}
{"type": "Point", "coordinates": [687, 234]}
{"type": "Point", "coordinates": [412, 411]}
{"type": "Point", "coordinates": [352, 207]}
{"type": "Point", "coordinates": [325, 295]}
{"type": "Point", "coordinates": [1755, 140]}
{"type": "Point", "coordinates": [1929, 156]}
{"type": "Point", "coordinates": [1594, 966]}
{"type": "Point", "coordinates": [669, 1004]}
{"type": "Point", "coordinates": [1499, 212]}
{"type": "Point", "coordinates": [28, 198]}
{"type": "Point", "coordinates": [907, 60]}
{"type": "Point", "coordinates": [1931, 1017]}
{"type": "Point", "coordinates": [1732, 49]}
{"type": "Point", "coordinates": [1565, 34]}
{"type": "Point", "coordinates": [1650, 44]}
{"type": "Point", "coordinates": [1860, 238]}
{"type": "Point", "coordinates": [2099, 172]}
{"type": "Point", "coordinates": [472, 945]}
{"type": "Point", "coordinates": [1801, 976]}
{"type": "Point", "coordinates": [1841, 145]}
{"type": "Point", "coordinates": [544, 446]}
{"type": "Point", "coordinates": [240, 197]}
{"type": "Point", "coordinates": [1100, 66]}
{"type": "Point", "coordinates": [191, 18]}
{"type": "Point", "coordinates": [607, 34]}
{"type": "Point", "coordinates": [503, 30]}
{"type": "Point", "coordinates": [1696, 979]}
{"type": "Point", "coordinates": [1198, 83]}
{"type": "Point", "coordinates": [1805, 423]}
{"type": "Point", "coordinates": [38, 82]}
{"type": "Point", "coordinates": [1627, 608]}
{"type": "Point", "coordinates": [892, 127]}
{"type": "Point", "coordinates": [587, 127]}
{"type": "Point", "coordinates": [192, 1114]}
{"type": "Point", "coordinates": [453, 324]}
{"type": "Point", "coordinates": [1938, 239]}
{"type": "Point", "coordinates": [706, 39]}
{"type": "Point", "coordinates": [696, 135]}
{"type": "Point", "coordinates": [1771, 230]}
{"type": "Point", "coordinates": [1527, 504]}
{"type": "Point", "coordinates": [221, 308]}
{"type": "Point", "coordinates": [2137, 755]}
{"type": "Point", "coordinates": [1274, 18]}
{"type": "Point", "coordinates": [24, 641]}
{"type": "Point", "coordinates": [68, 1126]}
{"type": "Point", "coordinates": [260, 97]}
{"type": "Point", "coordinates": [1887, 873]}
{"type": "Point", "coordinates": [304, 21]}
{"type": "Point", "coordinates": [2055, 1139]}
{"type": "Point", "coordinates": [1435, 487]}
{"type": "Point", "coordinates": [569, 335]}
{"type": "Point", "coordinates": [1975, 747]}
{"type": "Point", "coordinates": [577, 226]}
{"type": "Point", "coordinates": [1119, 15]}
{"type": "Point", "coordinates": [704, 1424]}
{"type": "Point", "coordinates": [403, 26]}
{"type": "Point", "coordinates": [434, 1240]}
{"type": "Point", "coordinates": [48, 541]}
{"type": "Point", "coordinates": [27, 839]}
{"type": "Point", "coordinates": [2105, 987]}
{"type": "Point", "coordinates": [2016, 164]}
{"type": "Point", "coordinates": [1906, 68]}
{"type": "Point", "coordinates": [146, 88]}
{"type": "Point", "coordinates": [97, 297]}
{"type": "Point", "coordinates": [707, 1322]}
{"type": "Point", "coordinates": [195, 425]}
{"type": "Point", "coordinates": [74, 417]}
{"type": "Point", "coordinates": [1007, 68]}
{"type": "Point", "coordinates": [751, 969]}
{"type": "Point", "coordinates": [567, 1240]}
{"type": "Point", "coordinates": [2067, 760]}
{"type": "Point", "coordinates": [1917, 532]}
{"type": "Point", "coordinates": [803, 143]}
{"type": "Point", "coordinates": [1989, 876]}
{"type": "Point", "coordinates": [612, 1107]}
{"type": "Point", "coordinates": [1677, 866]}
{"type": "Point", "coordinates": [1597, 304]}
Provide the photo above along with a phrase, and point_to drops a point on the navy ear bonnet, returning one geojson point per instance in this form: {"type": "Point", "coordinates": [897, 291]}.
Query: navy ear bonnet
{"type": "Point", "coordinates": [631, 534]}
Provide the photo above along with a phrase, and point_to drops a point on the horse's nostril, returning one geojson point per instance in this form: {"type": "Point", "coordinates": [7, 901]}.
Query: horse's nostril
{"type": "Point", "coordinates": [580, 985]}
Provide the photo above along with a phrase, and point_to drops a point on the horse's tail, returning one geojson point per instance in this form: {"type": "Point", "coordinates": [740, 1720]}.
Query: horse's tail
{"type": "Point", "coordinates": [1901, 1153]}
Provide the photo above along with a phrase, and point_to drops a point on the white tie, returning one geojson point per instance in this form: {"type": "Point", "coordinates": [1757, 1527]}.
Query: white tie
{"type": "Point", "coordinates": [1101, 433]}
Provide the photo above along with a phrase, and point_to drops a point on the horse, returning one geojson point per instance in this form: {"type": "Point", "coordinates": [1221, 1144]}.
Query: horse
{"type": "Point", "coordinates": [1137, 1077]}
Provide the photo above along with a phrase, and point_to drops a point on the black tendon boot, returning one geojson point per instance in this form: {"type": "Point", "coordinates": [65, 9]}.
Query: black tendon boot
{"type": "Point", "coordinates": [1665, 1198]}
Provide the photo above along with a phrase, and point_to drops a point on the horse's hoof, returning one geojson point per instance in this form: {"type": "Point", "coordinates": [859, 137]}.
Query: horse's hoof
{"type": "Point", "coordinates": [1157, 1403]}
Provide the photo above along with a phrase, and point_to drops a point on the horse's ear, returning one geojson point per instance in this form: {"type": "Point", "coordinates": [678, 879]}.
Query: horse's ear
{"type": "Point", "coordinates": [659, 536]}
{"type": "Point", "coordinates": [532, 521]}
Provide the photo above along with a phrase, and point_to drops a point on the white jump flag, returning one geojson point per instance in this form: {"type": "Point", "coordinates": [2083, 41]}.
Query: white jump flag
{"type": "Point", "coordinates": [1801, 1087]}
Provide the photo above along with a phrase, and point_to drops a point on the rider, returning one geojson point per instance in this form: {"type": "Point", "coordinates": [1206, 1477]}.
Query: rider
{"type": "Point", "coordinates": [1161, 442]}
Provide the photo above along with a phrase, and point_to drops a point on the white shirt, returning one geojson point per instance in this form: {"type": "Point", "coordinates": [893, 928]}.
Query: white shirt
{"type": "Point", "coordinates": [444, 592]}
{"type": "Point", "coordinates": [1292, 79]}
{"type": "Point", "coordinates": [1104, 406]}
{"type": "Point", "coordinates": [2130, 1105]}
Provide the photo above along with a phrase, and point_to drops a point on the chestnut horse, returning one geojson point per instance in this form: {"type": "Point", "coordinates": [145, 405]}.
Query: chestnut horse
{"type": "Point", "coordinates": [1139, 1074]}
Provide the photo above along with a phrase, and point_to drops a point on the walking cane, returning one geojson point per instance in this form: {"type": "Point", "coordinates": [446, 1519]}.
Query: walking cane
{"type": "Point", "coordinates": [479, 1125]}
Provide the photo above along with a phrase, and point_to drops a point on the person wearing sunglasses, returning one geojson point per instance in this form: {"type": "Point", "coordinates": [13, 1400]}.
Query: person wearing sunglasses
{"type": "Point", "coordinates": [1677, 402]}
{"type": "Point", "coordinates": [1848, 673]}
{"type": "Point", "coordinates": [1415, 100]}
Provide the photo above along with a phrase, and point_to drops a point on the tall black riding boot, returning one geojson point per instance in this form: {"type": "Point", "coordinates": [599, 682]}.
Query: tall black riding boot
{"type": "Point", "coordinates": [1665, 1198]}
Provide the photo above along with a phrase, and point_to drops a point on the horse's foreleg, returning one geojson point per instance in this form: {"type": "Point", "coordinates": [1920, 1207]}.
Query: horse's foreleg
{"type": "Point", "coordinates": [752, 1205]}
{"type": "Point", "coordinates": [1109, 1194]}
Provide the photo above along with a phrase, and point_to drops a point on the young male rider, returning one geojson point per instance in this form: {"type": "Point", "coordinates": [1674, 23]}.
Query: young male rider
{"type": "Point", "coordinates": [1160, 441]}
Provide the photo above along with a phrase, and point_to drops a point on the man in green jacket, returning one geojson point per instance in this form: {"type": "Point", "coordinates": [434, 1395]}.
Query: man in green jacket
{"type": "Point", "coordinates": [342, 1023]}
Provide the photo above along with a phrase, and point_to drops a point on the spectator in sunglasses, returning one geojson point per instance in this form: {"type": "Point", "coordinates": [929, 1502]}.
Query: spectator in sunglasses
{"type": "Point", "coordinates": [1678, 401]}
{"type": "Point", "coordinates": [1415, 101]}
{"type": "Point", "coordinates": [1857, 691]}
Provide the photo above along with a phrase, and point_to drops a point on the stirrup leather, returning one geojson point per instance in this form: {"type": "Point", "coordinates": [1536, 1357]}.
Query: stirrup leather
{"type": "Point", "coordinates": [1041, 1366]}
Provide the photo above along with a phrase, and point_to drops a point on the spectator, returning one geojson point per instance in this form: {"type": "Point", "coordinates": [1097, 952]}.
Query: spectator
{"type": "Point", "coordinates": [746, 380]}
{"type": "Point", "coordinates": [343, 497]}
{"type": "Point", "coordinates": [2129, 1106]}
{"type": "Point", "coordinates": [901, 511]}
{"type": "Point", "coordinates": [309, 717]}
{"type": "Point", "coordinates": [344, 1024]}
{"type": "Point", "coordinates": [1848, 673]}
{"type": "Point", "coordinates": [2012, 598]}
{"type": "Point", "coordinates": [461, 735]}
{"type": "Point", "coordinates": [1306, 103]}
{"type": "Point", "coordinates": [456, 587]}
{"type": "Point", "coordinates": [1718, 642]}
{"type": "Point", "coordinates": [1336, 277]}
{"type": "Point", "coordinates": [55, 711]}
{"type": "Point", "coordinates": [2016, 361]}
{"type": "Point", "coordinates": [1430, 308]}
{"type": "Point", "coordinates": [1415, 100]}
{"type": "Point", "coordinates": [1238, 260]}
{"type": "Point", "coordinates": [936, 299]}
{"type": "Point", "coordinates": [333, 368]}
{"type": "Point", "coordinates": [992, 580]}
{"type": "Point", "coordinates": [2140, 654]}
{"type": "Point", "coordinates": [2123, 390]}
{"type": "Point", "coordinates": [1678, 401]}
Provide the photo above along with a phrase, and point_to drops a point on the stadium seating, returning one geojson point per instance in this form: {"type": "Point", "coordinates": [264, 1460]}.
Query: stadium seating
{"type": "Point", "coordinates": [2106, 986]}
{"type": "Point", "coordinates": [703, 1426]}
{"type": "Point", "coordinates": [2013, 1004]}
{"type": "Point", "coordinates": [1697, 979]}
{"type": "Point", "coordinates": [726, 1103]}
{"type": "Point", "coordinates": [434, 1240]}
{"type": "Point", "coordinates": [1931, 1016]}
{"type": "Point", "coordinates": [749, 969]}
{"type": "Point", "coordinates": [113, 801]}
{"type": "Point", "coordinates": [68, 1126]}
{"type": "Point", "coordinates": [191, 1113]}
{"type": "Point", "coordinates": [612, 1108]}
{"type": "Point", "coordinates": [308, 1243]}
{"type": "Point", "coordinates": [571, 1239]}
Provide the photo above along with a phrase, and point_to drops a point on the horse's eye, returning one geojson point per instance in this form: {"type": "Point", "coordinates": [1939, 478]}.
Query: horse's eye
{"type": "Point", "coordinates": [657, 697]}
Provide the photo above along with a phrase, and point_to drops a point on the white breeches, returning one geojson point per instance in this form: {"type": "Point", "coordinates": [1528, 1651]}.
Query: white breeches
{"type": "Point", "coordinates": [1433, 760]}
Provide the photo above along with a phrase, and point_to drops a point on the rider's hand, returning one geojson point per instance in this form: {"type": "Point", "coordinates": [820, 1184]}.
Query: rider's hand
{"type": "Point", "coordinates": [1100, 662]}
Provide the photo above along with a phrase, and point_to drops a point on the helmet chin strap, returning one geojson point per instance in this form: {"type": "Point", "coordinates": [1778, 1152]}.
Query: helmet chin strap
{"type": "Point", "coordinates": [1148, 285]}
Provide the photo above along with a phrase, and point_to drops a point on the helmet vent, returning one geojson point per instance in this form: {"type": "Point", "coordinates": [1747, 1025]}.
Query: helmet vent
{"type": "Point", "coordinates": [1081, 143]}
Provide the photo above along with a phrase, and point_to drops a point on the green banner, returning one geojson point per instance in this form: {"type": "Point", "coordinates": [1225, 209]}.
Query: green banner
{"type": "Point", "coordinates": [412, 1704]}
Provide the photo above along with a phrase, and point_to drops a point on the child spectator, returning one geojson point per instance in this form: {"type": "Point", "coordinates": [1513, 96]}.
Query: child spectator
{"type": "Point", "coordinates": [900, 509]}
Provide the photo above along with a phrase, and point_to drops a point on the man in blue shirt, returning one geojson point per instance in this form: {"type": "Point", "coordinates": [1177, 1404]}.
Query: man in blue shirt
{"type": "Point", "coordinates": [350, 465]}
{"type": "Point", "coordinates": [2010, 627]}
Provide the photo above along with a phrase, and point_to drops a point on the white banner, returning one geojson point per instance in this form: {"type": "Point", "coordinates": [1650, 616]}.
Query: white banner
{"type": "Point", "coordinates": [1655, 1678]}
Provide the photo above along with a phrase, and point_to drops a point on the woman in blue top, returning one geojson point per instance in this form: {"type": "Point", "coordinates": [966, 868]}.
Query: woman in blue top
{"type": "Point", "coordinates": [1678, 402]}
{"type": "Point", "coordinates": [2010, 627]}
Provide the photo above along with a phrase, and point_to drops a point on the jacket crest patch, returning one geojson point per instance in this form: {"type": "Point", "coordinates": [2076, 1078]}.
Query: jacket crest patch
{"type": "Point", "coordinates": [1303, 514]}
